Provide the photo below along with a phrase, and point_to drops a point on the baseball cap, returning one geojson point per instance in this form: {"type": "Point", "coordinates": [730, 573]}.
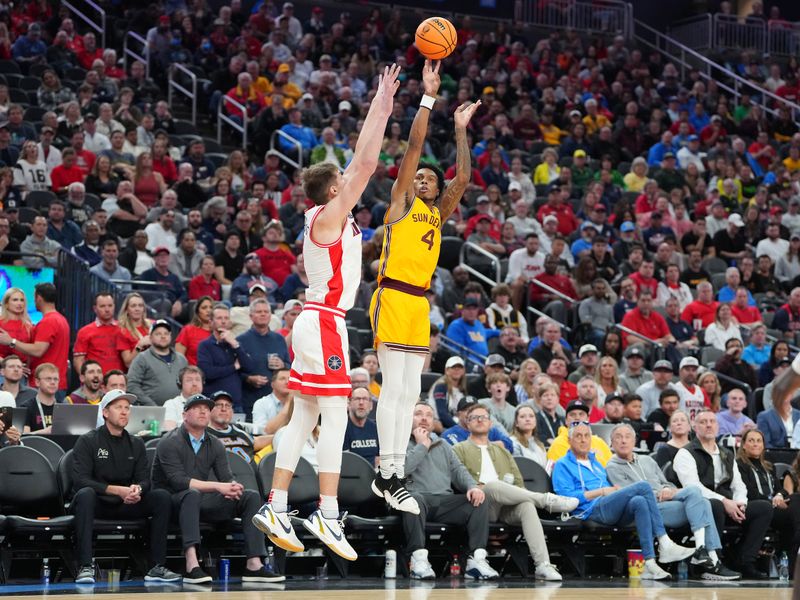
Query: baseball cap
{"type": "Point", "coordinates": [484, 218]}
{"type": "Point", "coordinates": [716, 118]}
{"type": "Point", "coordinates": [306, 96]}
{"type": "Point", "coordinates": [345, 105]}
{"type": "Point", "coordinates": [192, 401]}
{"type": "Point", "coordinates": [160, 323]}
{"type": "Point", "coordinates": [472, 302]}
{"type": "Point", "coordinates": [482, 198]}
{"type": "Point", "coordinates": [291, 305]}
{"type": "Point", "coordinates": [251, 256]}
{"type": "Point", "coordinates": [221, 394]}
{"type": "Point", "coordinates": [283, 68]}
{"type": "Point", "coordinates": [454, 361]}
{"type": "Point", "coordinates": [634, 351]}
{"type": "Point", "coordinates": [689, 361]}
{"type": "Point", "coordinates": [488, 90]}
{"type": "Point", "coordinates": [579, 153]}
{"type": "Point", "coordinates": [113, 395]}
{"type": "Point", "coordinates": [586, 348]}
{"type": "Point", "coordinates": [693, 138]}
{"type": "Point", "coordinates": [627, 226]}
{"type": "Point", "coordinates": [736, 220]}
{"type": "Point", "coordinates": [574, 113]}
{"type": "Point", "coordinates": [668, 155]}
{"type": "Point", "coordinates": [662, 365]}
{"type": "Point", "coordinates": [577, 405]}
{"type": "Point", "coordinates": [160, 250]}
{"type": "Point", "coordinates": [495, 360]}
{"type": "Point", "coordinates": [465, 403]}
{"type": "Point", "coordinates": [256, 286]}
{"type": "Point", "coordinates": [514, 185]}
{"type": "Point", "coordinates": [316, 9]}
{"type": "Point", "coordinates": [549, 218]}
{"type": "Point", "coordinates": [795, 235]}
{"type": "Point", "coordinates": [614, 397]}
{"type": "Point", "coordinates": [325, 57]}
{"type": "Point", "coordinates": [46, 129]}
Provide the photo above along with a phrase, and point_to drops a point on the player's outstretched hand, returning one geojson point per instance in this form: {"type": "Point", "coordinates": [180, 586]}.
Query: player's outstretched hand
{"type": "Point", "coordinates": [430, 77]}
{"type": "Point", "coordinates": [387, 87]}
{"type": "Point", "coordinates": [464, 113]}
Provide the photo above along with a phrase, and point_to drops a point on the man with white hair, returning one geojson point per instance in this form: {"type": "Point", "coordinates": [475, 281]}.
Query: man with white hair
{"type": "Point", "coordinates": [733, 278]}
{"type": "Point", "coordinates": [77, 210]}
{"type": "Point", "coordinates": [327, 150]}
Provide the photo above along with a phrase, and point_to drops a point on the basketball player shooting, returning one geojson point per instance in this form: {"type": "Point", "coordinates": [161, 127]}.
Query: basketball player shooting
{"type": "Point", "coordinates": [399, 310]}
{"type": "Point", "coordinates": [320, 373]}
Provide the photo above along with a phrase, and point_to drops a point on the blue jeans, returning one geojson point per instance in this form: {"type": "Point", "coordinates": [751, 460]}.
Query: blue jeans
{"type": "Point", "coordinates": [635, 503]}
{"type": "Point", "coordinates": [688, 507]}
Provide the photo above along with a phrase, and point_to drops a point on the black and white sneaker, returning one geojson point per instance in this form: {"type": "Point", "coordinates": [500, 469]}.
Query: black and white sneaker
{"type": "Point", "coordinates": [263, 575]}
{"type": "Point", "coordinates": [393, 490]}
{"type": "Point", "coordinates": [719, 572]}
{"type": "Point", "coordinates": [85, 574]}
{"type": "Point", "coordinates": [197, 575]}
{"type": "Point", "coordinates": [161, 573]}
{"type": "Point", "coordinates": [701, 559]}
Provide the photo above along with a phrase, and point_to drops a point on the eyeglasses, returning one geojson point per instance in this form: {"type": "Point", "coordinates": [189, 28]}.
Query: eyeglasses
{"type": "Point", "coordinates": [478, 418]}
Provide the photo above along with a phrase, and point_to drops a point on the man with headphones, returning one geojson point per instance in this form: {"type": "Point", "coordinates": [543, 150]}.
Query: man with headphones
{"type": "Point", "coordinates": [190, 382]}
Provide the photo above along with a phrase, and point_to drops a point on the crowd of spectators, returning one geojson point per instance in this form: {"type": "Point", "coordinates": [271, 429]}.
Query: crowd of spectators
{"type": "Point", "coordinates": [650, 220]}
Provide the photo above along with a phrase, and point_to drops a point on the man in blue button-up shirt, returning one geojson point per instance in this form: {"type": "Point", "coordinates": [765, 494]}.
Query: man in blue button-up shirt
{"type": "Point", "coordinates": [296, 129]}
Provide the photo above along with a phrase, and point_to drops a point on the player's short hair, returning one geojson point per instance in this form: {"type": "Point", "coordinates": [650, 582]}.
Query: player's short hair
{"type": "Point", "coordinates": [317, 179]}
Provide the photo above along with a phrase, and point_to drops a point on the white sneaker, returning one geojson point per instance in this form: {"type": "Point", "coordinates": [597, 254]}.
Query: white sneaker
{"type": "Point", "coordinates": [278, 528]}
{"type": "Point", "coordinates": [330, 532]}
{"type": "Point", "coordinates": [554, 503]}
{"type": "Point", "coordinates": [548, 572]}
{"type": "Point", "coordinates": [672, 552]}
{"type": "Point", "coordinates": [420, 567]}
{"type": "Point", "coordinates": [652, 571]}
{"type": "Point", "coordinates": [478, 567]}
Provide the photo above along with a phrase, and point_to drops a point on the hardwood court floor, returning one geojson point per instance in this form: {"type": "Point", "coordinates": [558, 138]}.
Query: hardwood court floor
{"type": "Point", "coordinates": [442, 590]}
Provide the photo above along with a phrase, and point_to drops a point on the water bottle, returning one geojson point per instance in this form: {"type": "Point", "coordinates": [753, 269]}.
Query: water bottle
{"type": "Point", "coordinates": [783, 568]}
{"type": "Point", "coordinates": [271, 559]}
{"type": "Point", "coordinates": [683, 571]}
{"type": "Point", "coordinates": [154, 427]}
{"type": "Point", "coordinates": [45, 571]}
{"type": "Point", "coordinates": [455, 567]}
{"type": "Point", "coordinates": [509, 478]}
{"type": "Point", "coordinates": [390, 565]}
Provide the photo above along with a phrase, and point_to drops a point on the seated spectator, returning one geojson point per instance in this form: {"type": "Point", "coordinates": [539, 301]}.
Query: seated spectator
{"type": "Point", "coordinates": [733, 421]}
{"type": "Point", "coordinates": [672, 287]}
{"type": "Point", "coordinates": [723, 329]}
{"type": "Point", "coordinates": [90, 391]}
{"type": "Point", "coordinates": [59, 229]}
{"type": "Point", "coordinates": [787, 317]}
{"type": "Point", "coordinates": [509, 501]}
{"type": "Point", "coordinates": [151, 377]}
{"type": "Point", "coordinates": [596, 311]}
{"type": "Point", "coordinates": [39, 409]}
{"type": "Point", "coordinates": [190, 381]}
{"type": "Point", "coordinates": [109, 267]}
{"type": "Point", "coordinates": [471, 333]}
{"type": "Point", "coordinates": [540, 296]}
{"type": "Point", "coordinates": [66, 173]}
{"type": "Point", "coordinates": [700, 313]}
{"type": "Point", "coordinates": [252, 275]}
{"type": "Point", "coordinates": [643, 278]}
{"type": "Point", "coordinates": [605, 504]}
{"type": "Point", "coordinates": [668, 402]}
{"type": "Point", "coordinates": [525, 437]}
{"type": "Point", "coordinates": [186, 258]}
{"type": "Point", "coordinates": [721, 482]}
{"type": "Point", "coordinates": [550, 346]}
{"type": "Point", "coordinates": [168, 283]}
{"type": "Point", "coordinates": [577, 411]}
{"type": "Point", "coordinates": [160, 234]}
{"type": "Point", "coordinates": [614, 409]}
{"type": "Point", "coordinates": [627, 299]}
{"type": "Point", "coordinates": [645, 321]}
{"type": "Point", "coordinates": [694, 274]}
{"type": "Point", "coordinates": [549, 419]}
{"type": "Point", "coordinates": [499, 385]}
{"type": "Point", "coordinates": [229, 260]}
{"type": "Point", "coordinates": [729, 242]}
{"type": "Point", "coordinates": [117, 487]}
{"type": "Point", "coordinates": [587, 355]}
{"type": "Point", "coordinates": [678, 508]}
{"type": "Point", "coordinates": [247, 95]}
{"type": "Point", "coordinates": [205, 283]}
{"type": "Point", "coordinates": [11, 368]}
{"type": "Point", "coordinates": [634, 374]}
{"type": "Point", "coordinates": [446, 393]}
{"type": "Point", "coordinates": [459, 432]}
{"type": "Point", "coordinates": [276, 261]}
{"type": "Point", "coordinates": [234, 438]}
{"type": "Point", "coordinates": [89, 249]}
{"type": "Point", "coordinates": [727, 293]}
{"type": "Point", "coordinates": [196, 496]}
{"type": "Point", "coordinates": [732, 365]}
{"type": "Point", "coordinates": [778, 423]}
{"type": "Point", "coordinates": [651, 391]}
{"type": "Point", "coordinates": [741, 309]}
{"type": "Point", "coordinates": [361, 436]}
{"type": "Point", "coordinates": [758, 350]}
{"type": "Point", "coordinates": [41, 250]}
{"type": "Point", "coordinates": [438, 482]}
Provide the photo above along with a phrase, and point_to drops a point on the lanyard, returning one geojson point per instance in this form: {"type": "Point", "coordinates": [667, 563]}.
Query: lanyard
{"type": "Point", "coordinates": [549, 425]}
{"type": "Point", "coordinates": [41, 412]}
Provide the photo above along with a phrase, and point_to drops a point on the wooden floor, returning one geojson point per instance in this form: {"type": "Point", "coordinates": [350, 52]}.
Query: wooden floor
{"type": "Point", "coordinates": [442, 591]}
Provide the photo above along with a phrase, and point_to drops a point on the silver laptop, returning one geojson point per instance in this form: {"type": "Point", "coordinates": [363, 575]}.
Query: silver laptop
{"type": "Point", "coordinates": [603, 431]}
{"type": "Point", "coordinates": [140, 418]}
{"type": "Point", "coordinates": [74, 419]}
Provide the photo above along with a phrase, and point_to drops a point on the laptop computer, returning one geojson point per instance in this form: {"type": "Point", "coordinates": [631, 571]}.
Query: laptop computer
{"type": "Point", "coordinates": [140, 418]}
{"type": "Point", "coordinates": [74, 419]}
{"type": "Point", "coordinates": [603, 431]}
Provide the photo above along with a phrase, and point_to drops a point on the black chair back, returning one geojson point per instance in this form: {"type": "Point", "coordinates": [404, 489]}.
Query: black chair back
{"type": "Point", "coordinates": [781, 469]}
{"type": "Point", "coordinates": [244, 473]}
{"type": "Point", "coordinates": [27, 480]}
{"type": "Point", "coordinates": [534, 476]}
{"type": "Point", "coordinates": [52, 451]}
{"type": "Point", "coordinates": [305, 483]}
{"type": "Point", "coordinates": [355, 480]}
{"type": "Point", "coordinates": [64, 476]}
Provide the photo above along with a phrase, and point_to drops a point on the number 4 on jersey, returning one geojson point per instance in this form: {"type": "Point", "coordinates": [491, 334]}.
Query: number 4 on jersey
{"type": "Point", "coordinates": [428, 239]}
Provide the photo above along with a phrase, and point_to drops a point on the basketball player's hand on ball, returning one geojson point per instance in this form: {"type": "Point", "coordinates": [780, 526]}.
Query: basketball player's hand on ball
{"type": "Point", "coordinates": [464, 113]}
{"type": "Point", "coordinates": [387, 87]}
{"type": "Point", "coordinates": [430, 77]}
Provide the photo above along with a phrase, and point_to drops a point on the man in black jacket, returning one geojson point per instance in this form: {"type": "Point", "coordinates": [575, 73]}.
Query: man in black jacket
{"type": "Point", "coordinates": [111, 481]}
{"type": "Point", "coordinates": [185, 459]}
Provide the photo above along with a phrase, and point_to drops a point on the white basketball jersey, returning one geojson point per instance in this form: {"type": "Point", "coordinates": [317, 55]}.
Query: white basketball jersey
{"type": "Point", "coordinates": [333, 270]}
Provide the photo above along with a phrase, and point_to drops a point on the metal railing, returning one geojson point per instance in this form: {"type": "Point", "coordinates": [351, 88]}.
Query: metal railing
{"type": "Point", "coordinates": [707, 31]}
{"type": "Point", "coordinates": [174, 84]}
{"type": "Point", "coordinates": [539, 313]}
{"type": "Point", "coordinates": [472, 270]}
{"type": "Point", "coordinates": [144, 57]}
{"type": "Point", "coordinates": [638, 335]}
{"type": "Point", "coordinates": [275, 146]}
{"type": "Point", "coordinates": [686, 58]}
{"type": "Point", "coordinates": [554, 291]}
{"type": "Point", "coordinates": [783, 38]}
{"type": "Point", "coordinates": [223, 117]}
{"type": "Point", "coordinates": [100, 27]}
{"type": "Point", "coordinates": [468, 354]}
{"type": "Point", "coordinates": [610, 17]}
{"type": "Point", "coordinates": [694, 32]}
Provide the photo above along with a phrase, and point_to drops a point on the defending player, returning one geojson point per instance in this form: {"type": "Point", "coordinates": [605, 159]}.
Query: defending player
{"type": "Point", "coordinates": [320, 372]}
{"type": "Point", "coordinates": [399, 310]}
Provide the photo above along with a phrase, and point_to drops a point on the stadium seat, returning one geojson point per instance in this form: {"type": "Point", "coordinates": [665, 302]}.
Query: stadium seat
{"type": "Point", "coordinates": [357, 317]}
{"type": "Point", "coordinates": [34, 113]}
{"type": "Point", "coordinates": [153, 443]}
{"type": "Point", "coordinates": [450, 254]}
{"type": "Point", "coordinates": [244, 472]}
{"type": "Point", "coordinates": [27, 215]}
{"type": "Point", "coordinates": [185, 127]}
{"type": "Point", "coordinates": [9, 66]}
{"type": "Point", "coordinates": [30, 84]}
{"type": "Point", "coordinates": [305, 483]}
{"type": "Point", "coordinates": [39, 199]}
{"type": "Point", "coordinates": [714, 265]}
{"type": "Point", "coordinates": [217, 159]}
{"type": "Point", "coordinates": [428, 379]}
{"type": "Point", "coordinates": [52, 451]}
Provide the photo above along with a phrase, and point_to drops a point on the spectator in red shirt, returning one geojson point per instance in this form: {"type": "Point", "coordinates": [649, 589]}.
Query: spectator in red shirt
{"type": "Point", "coordinates": [66, 173]}
{"type": "Point", "coordinates": [134, 328]}
{"type": "Point", "coordinates": [644, 320]}
{"type": "Point", "coordinates": [745, 314]}
{"type": "Point", "coordinates": [98, 340]}
{"type": "Point", "coordinates": [761, 150]}
{"type": "Point", "coordinates": [50, 336]}
{"type": "Point", "coordinates": [539, 296]}
{"type": "Point", "coordinates": [712, 132]}
{"type": "Point", "coordinates": [84, 159]}
{"type": "Point", "coordinates": [204, 283]}
{"type": "Point", "coordinates": [557, 371]}
{"type": "Point", "coordinates": [790, 90]}
{"type": "Point", "coordinates": [483, 206]}
{"type": "Point", "coordinates": [276, 261]}
{"type": "Point", "coordinates": [567, 222]}
{"type": "Point", "coordinates": [643, 278]}
{"type": "Point", "coordinates": [86, 57]}
{"type": "Point", "coordinates": [14, 319]}
{"type": "Point", "coordinates": [700, 313]}
{"type": "Point", "coordinates": [245, 94]}
{"type": "Point", "coordinates": [195, 332]}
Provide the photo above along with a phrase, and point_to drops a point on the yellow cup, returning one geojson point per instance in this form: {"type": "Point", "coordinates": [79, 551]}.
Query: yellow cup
{"type": "Point", "coordinates": [635, 564]}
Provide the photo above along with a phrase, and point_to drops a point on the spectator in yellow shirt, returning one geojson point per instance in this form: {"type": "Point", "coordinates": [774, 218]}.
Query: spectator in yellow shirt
{"type": "Point", "coordinates": [548, 170]}
{"type": "Point", "coordinates": [594, 120]}
{"type": "Point", "coordinates": [577, 411]}
{"type": "Point", "coordinates": [792, 162]}
{"type": "Point", "coordinates": [551, 133]}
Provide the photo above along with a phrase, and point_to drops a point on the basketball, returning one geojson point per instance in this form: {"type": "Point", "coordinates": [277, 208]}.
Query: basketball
{"type": "Point", "coordinates": [436, 38]}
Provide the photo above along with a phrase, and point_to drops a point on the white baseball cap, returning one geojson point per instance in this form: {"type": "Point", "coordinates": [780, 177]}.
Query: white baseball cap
{"type": "Point", "coordinates": [114, 395]}
{"type": "Point", "coordinates": [454, 361]}
{"type": "Point", "coordinates": [689, 361]}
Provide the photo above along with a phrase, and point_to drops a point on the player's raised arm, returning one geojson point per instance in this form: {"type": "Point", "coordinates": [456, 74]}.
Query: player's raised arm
{"type": "Point", "coordinates": [455, 189]}
{"type": "Point", "coordinates": [365, 157]}
{"type": "Point", "coordinates": [403, 188]}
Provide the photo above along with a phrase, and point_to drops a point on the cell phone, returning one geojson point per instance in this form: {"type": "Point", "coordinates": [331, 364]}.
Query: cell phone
{"type": "Point", "coordinates": [6, 417]}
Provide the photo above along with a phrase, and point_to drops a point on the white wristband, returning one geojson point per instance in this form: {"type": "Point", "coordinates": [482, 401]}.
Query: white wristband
{"type": "Point", "coordinates": [796, 364]}
{"type": "Point", "coordinates": [427, 102]}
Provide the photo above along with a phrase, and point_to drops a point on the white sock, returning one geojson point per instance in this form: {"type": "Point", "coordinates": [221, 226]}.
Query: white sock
{"type": "Point", "coordinates": [713, 555]}
{"type": "Point", "coordinates": [329, 507]}
{"type": "Point", "coordinates": [699, 538]}
{"type": "Point", "coordinates": [279, 499]}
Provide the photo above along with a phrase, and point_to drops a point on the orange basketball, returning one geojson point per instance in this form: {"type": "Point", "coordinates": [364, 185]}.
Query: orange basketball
{"type": "Point", "coordinates": [436, 38]}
